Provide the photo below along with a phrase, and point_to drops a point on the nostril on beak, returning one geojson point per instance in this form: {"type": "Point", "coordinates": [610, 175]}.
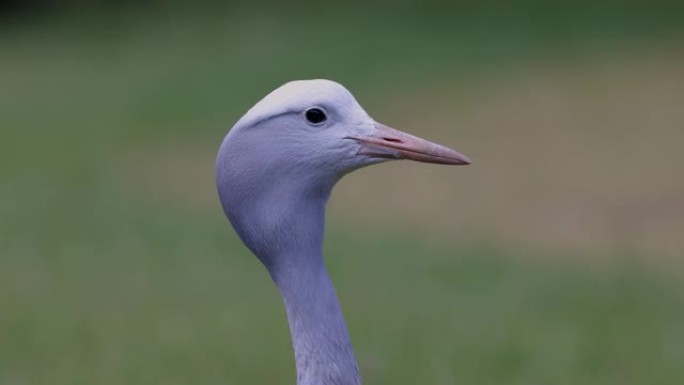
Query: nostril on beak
{"type": "Point", "coordinates": [393, 140]}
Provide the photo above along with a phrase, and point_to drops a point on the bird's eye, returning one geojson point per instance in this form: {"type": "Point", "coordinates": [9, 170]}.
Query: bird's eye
{"type": "Point", "coordinates": [315, 115]}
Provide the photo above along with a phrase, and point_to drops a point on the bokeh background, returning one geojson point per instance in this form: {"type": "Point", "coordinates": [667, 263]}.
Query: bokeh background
{"type": "Point", "coordinates": [555, 259]}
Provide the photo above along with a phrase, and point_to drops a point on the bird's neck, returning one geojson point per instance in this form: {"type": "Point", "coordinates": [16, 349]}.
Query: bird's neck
{"type": "Point", "coordinates": [283, 225]}
{"type": "Point", "coordinates": [322, 348]}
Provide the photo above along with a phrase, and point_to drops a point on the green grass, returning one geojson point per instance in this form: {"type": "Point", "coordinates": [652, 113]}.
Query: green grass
{"type": "Point", "coordinates": [135, 294]}
{"type": "Point", "coordinates": [101, 284]}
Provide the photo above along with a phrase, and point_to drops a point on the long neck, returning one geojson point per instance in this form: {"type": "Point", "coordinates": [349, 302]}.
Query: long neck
{"type": "Point", "coordinates": [284, 227]}
{"type": "Point", "coordinates": [322, 348]}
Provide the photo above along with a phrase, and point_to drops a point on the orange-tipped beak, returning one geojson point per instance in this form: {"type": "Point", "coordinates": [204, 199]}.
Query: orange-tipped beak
{"type": "Point", "coordinates": [388, 142]}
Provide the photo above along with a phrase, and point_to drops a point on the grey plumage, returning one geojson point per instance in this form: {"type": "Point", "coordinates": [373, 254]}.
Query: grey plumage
{"type": "Point", "coordinates": [275, 171]}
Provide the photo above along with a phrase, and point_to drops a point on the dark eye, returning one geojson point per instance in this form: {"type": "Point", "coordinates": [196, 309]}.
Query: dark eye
{"type": "Point", "coordinates": [315, 115]}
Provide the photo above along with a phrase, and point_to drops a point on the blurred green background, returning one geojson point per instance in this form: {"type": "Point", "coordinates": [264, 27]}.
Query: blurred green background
{"type": "Point", "coordinates": [555, 259]}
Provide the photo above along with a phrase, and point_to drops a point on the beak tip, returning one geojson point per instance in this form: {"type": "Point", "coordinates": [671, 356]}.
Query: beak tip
{"type": "Point", "coordinates": [461, 160]}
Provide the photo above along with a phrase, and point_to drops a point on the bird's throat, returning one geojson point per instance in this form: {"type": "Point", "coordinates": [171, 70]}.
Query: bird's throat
{"type": "Point", "coordinates": [284, 227]}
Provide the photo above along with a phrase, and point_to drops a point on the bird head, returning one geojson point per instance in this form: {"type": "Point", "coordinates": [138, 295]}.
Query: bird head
{"type": "Point", "coordinates": [298, 141]}
{"type": "Point", "coordinates": [312, 129]}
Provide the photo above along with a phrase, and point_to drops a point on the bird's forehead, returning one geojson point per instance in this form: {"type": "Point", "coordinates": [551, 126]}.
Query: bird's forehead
{"type": "Point", "coordinates": [306, 93]}
{"type": "Point", "coordinates": [300, 95]}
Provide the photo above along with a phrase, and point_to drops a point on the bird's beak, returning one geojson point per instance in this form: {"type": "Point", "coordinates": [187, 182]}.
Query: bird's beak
{"type": "Point", "coordinates": [387, 142]}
